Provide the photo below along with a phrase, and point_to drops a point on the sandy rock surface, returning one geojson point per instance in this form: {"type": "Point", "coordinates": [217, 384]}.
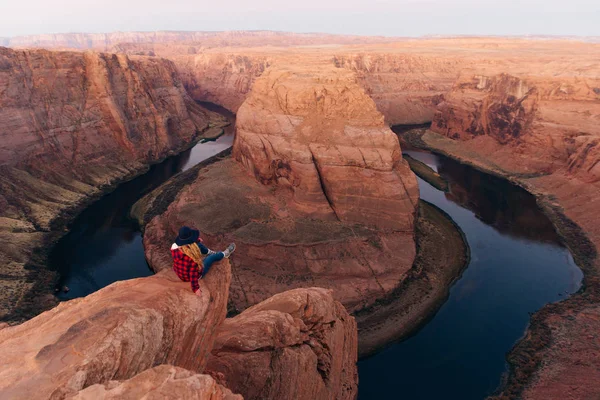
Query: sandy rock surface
{"type": "Point", "coordinates": [162, 382]}
{"type": "Point", "coordinates": [114, 334]}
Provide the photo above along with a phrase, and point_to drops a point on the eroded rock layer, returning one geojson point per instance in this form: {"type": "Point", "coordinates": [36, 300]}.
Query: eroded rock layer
{"type": "Point", "coordinates": [300, 344]}
{"type": "Point", "coordinates": [73, 125]}
{"type": "Point", "coordinates": [313, 131]}
{"type": "Point", "coordinates": [527, 124]}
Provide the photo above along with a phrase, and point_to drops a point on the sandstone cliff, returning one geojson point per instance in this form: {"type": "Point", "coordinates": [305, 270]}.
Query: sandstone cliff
{"type": "Point", "coordinates": [221, 78]}
{"type": "Point", "coordinates": [72, 126]}
{"type": "Point", "coordinates": [300, 344]}
{"type": "Point", "coordinates": [313, 131]}
{"type": "Point", "coordinates": [406, 88]}
{"type": "Point", "coordinates": [113, 334]}
{"type": "Point", "coordinates": [532, 124]}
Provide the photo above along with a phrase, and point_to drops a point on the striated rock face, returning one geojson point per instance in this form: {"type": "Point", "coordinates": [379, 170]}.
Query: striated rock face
{"type": "Point", "coordinates": [300, 344]}
{"type": "Point", "coordinates": [221, 78]}
{"type": "Point", "coordinates": [505, 109]}
{"type": "Point", "coordinates": [115, 334]}
{"type": "Point", "coordinates": [531, 124]}
{"type": "Point", "coordinates": [162, 382]}
{"type": "Point", "coordinates": [73, 125]}
{"type": "Point", "coordinates": [406, 88]}
{"type": "Point", "coordinates": [314, 132]}
{"type": "Point", "coordinates": [320, 196]}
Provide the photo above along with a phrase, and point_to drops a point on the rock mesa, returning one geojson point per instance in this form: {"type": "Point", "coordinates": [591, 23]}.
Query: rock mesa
{"type": "Point", "coordinates": [314, 132]}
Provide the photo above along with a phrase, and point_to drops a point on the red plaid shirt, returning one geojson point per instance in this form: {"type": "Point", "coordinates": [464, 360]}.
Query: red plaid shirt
{"type": "Point", "coordinates": [186, 269]}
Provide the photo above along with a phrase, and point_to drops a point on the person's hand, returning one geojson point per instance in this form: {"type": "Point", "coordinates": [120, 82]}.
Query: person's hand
{"type": "Point", "coordinates": [198, 292]}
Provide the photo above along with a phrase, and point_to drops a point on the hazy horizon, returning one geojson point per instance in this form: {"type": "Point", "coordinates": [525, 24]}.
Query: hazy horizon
{"type": "Point", "coordinates": [408, 18]}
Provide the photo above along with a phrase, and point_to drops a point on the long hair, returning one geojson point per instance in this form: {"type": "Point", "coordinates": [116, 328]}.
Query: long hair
{"type": "Point", "coordinates": [192, 251]}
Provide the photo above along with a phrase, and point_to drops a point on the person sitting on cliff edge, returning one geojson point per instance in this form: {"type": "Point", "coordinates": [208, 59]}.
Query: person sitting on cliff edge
{"type": "Point", "coordinates": [189, 253]}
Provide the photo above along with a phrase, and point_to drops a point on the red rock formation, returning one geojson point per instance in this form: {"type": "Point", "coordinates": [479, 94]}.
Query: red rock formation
{"type": "Point", "coordinates": [314, 132]}
{"type": "Point", "coordinates": [71, 126]}
{"type": "Point", "coordinates": [406, 88]}
{"type": "Point", "coordinates": [162, 382]}
{"type": "Point", "coordinates": [300, 344]}
{"type": "Point", "coordinates": [531, 124]}
{"type": "Point", "coordinates": [113, 334]}
{"type": "Point", "coordinates": [338, 206]}
{"type": "Point", "coordinates": [221, 78]}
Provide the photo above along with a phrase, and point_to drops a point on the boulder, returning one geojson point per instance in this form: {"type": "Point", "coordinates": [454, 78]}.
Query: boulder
{"type": "Point", "coordinates": [300, 344]}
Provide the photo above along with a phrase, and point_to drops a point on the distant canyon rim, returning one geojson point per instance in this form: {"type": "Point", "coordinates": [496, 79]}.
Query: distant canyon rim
{"type": "Point", "coordinates": [82, 112]}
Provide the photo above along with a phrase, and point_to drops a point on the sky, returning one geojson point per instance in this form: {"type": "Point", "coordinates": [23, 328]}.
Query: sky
{"type": "Point", "coordinates": [361, 17]}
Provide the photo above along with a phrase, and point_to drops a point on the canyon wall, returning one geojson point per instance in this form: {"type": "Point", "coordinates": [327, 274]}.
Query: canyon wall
{"type": "Point", "coordinates": [221, 78]}
{"type": "Point", "coordinates": [531, 124]}
{"type": "Point", "coordinates": [406, 88]}
{"type": "Point", "coordinates": [73, 125]}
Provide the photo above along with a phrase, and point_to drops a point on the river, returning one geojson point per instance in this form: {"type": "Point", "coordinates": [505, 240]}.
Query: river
{"type": "Point", "coordinates": [103, 244]}
{"type": "Point", "coordinates": [518, 264]}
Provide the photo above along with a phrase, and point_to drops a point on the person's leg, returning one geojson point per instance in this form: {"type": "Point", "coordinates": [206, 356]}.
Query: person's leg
{"type": "Point", "coordinates": [210, 260]}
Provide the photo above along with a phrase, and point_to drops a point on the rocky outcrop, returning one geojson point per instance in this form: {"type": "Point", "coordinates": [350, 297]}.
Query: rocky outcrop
{"type": "Point", "coordinates": [72, 125]}
{"type": "Point", "coordinates": [162, 382]}
{"type": "Point", "coordinates": [313, 131]}
{"type": "Point", "coordinates": [223, 78]}
{"type": "Point", "coordinates": [114, 334]}
{"type": "Point", "coordinates": [300, 344]}
{"type": "Point", "coordinates": [406, 88]}
{"type": "Point", "coordinates": [532, 124]}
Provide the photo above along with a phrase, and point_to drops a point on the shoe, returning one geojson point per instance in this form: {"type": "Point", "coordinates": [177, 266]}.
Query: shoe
{"type": "Point", "coordinates": [229, 250]}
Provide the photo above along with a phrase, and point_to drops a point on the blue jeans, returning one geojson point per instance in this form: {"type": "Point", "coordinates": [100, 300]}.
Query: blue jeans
{"type": "Point", "coordinates": [210, 260]}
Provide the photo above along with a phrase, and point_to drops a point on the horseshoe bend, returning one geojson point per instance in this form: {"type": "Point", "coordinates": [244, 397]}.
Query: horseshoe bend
{"type": "Point", "coordinates": [352, 275]}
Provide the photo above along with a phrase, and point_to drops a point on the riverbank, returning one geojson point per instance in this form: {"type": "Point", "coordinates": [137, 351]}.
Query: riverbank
{"type": "Point", "coordinates": [426, 173]}
{"type": "Point", "coordinates": [23, 298]}
{"type": "Point", "coordinates": [442, 255]}
{"type": "Point", "coordinates": [559, 353]}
